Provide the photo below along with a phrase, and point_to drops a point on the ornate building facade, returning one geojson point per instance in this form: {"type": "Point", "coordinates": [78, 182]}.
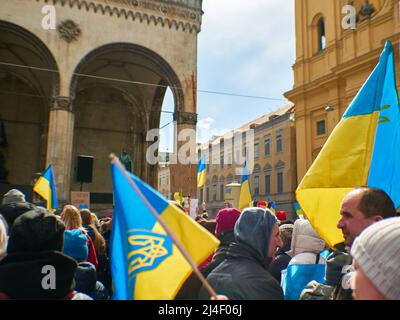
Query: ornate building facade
{"type": "Point", "coordinates": [273, 173]}
{"type": "Point", "coordinates": [332, 62]}
{"type": "Point", "coordinates": [93, 85]}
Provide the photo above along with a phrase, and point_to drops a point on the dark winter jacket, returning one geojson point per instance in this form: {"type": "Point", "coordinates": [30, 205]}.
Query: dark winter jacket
{"type": "Point", "coordinates": [226, 239]}
{"type": "Point", "coordinates": [22, 275]}
{"type": "Point", "coordinates": [244, 275]}
{"type": "Point", "coordinates": [280, 263]}
{"type": "Point", "coordinates": [86, 282]}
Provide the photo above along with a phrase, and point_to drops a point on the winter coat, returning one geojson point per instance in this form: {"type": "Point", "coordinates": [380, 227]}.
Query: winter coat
{"type": "Point", "coordinates": [280, 263]}
{"type": "Point", "coordinates": [244, 275]}
{"type": "Point", "coordinates": [21, 276]}
{"type": "Point", "coordinates": [306, 244]}
{"type": "Point", "coordinates": [190, 289]}
{"type": "Point", "coordinates": [226, 238]}
{"type": "Point", "coordinates": [86, 282]}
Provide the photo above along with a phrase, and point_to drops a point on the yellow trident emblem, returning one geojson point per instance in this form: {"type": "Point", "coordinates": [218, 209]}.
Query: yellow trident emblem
{"type": "Point", "coordinates": [147, 248]}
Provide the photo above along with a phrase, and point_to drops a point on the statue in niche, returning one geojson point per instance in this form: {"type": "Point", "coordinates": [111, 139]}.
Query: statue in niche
{"type": "Point", "coordinates": [126, 160]}
{"type": "Point", "coordinates": [3, 145]}
{"type": "Point", "coordinates": [366, 11]}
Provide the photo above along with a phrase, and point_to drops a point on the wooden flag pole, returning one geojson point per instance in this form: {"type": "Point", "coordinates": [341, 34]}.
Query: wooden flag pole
{"type": "Point", "coordinates": [167, 229]}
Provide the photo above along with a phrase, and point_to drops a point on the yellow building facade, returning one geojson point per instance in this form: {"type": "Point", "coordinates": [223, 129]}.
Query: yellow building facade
{"type": "Point", "coordinates": [333, 60]}
{"type": "Point", "coordinates": [273, 171]}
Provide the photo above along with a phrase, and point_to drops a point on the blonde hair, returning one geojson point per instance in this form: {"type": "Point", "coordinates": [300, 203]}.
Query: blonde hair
{"type": "Point", "coordinates": [98, 240]}
{"type": "Point", "coordinates": [71, 217]}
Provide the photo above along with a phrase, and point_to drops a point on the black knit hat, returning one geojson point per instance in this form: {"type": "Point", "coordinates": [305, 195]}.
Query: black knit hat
{"type": "Point", "coordinates": [36, 230]}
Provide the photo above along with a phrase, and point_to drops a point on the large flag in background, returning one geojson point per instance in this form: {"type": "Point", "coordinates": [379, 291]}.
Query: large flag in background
{"type": "Point", "coordinates": [245, 200]}
{"type": "Point", "coordinates": [145, 263]}
{"type": "Point", "coordinates": [46, 188]}
{"type": "Point", "coordinates": [362, 150]}
{"type": "Point", "coordinates": [201, 173]}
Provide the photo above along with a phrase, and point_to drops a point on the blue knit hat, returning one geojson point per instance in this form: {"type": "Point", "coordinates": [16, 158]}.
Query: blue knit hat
{"type": "Point", "coordinates": [75, 244]}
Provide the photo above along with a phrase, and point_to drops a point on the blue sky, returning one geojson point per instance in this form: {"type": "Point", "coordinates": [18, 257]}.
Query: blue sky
{"type": "Point", "coordinates": [244, 47]}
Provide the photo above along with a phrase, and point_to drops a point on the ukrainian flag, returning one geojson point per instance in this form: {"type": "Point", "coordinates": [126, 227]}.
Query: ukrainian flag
{"type": "Point", "coordinates": [363, 149]}
{"type": "Point", "coordinates": [145, 263]}
{"type": "Point", "coordinates": [46, 188]}
{"type": "Point", "coordinates": [298, 209]}
{"type": "Point", "coordinates": [201, 173]}
{"type": "Point", "coordinates": [245, 199]}
{"type": "Point", "coordinates": [273, 207]}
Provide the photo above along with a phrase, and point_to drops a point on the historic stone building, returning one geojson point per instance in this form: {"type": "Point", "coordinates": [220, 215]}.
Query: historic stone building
{"type": "Point", "coordinates": [333, 62]}
{"type": "Point", "coordinates": [273, 173]}
{"type": "Point", "coordinates": [93, 85]}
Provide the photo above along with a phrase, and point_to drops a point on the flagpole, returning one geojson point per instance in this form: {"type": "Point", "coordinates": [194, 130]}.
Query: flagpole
{"type": "Point", "coordinates": [167, 229]}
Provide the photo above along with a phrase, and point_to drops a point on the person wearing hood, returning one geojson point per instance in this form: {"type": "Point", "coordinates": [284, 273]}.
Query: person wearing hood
{"type": "Point", "coordinates": [282, 259]}
{"type": "Point", "coordinates": [35, 243]}
{"type": "Point", "coordinates": [244, 274]}
{"type": "Point", "coordinates": [13, 205]}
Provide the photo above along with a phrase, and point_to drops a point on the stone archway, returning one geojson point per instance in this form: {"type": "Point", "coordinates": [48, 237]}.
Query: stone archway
{"type": "Point", "coordinates": [117, 92]}
{"type": "Point", "coordinates": [29, 81]}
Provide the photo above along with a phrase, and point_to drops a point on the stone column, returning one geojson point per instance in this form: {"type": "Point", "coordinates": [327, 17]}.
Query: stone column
{"type": "Point", "coordinates": [59, 145]}
{"type": "Point", "coordinates": [184, 176]}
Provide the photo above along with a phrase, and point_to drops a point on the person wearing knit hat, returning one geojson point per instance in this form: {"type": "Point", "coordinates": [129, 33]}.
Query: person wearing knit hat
{"type": "Point", "coordinates": [13, 205]}
{"type": "Point", "coordinates": [262, 204]}
{"type": "Point", "coordinates": [35, 241]}
{"type": "Point", "coordinates": [244, 274]}
{"type": "Point", "coordinates": [376, 261]}
{"type": "Point", "coordinates": [281, 216]}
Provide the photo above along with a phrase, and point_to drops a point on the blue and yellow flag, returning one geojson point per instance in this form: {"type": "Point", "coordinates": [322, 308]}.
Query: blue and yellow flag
{"type": "Point", "coordinates": [299, 212]}
{"type": "Point", "coordinates": [362, 150]}
{"type": "Point", "coordinates": [273, 207]}
{"type": "Point", "coordinates": [46, 188]}
{"type": "Point", "coordinates": [201, 173]}
{"type": "Point", "coordinates": [245, 199]}
{"type": "Point", "coordinates": [145, 263]}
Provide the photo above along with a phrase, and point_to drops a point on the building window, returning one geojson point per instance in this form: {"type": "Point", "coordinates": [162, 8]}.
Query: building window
{"type": "Point", "coordinates": [279, 177]}
{"type": "Point", "coordinates": [229, 158]}
{"type": "Point", "coordinates": [208, 194]}
{"type": "Point", "coordinates": [321, 130]}
{"type": "Point", "coordinates": [321, 35]}
{"type": "Point", "coordinates": [222, 191]}
{"type": "Point", "coordinates": [267, 146]}
{"type": "Point", "coordinates": [222, 160]}
{"type": "Point", "coordinates": [279, 146]}
{"type": "Point", "coordinates": [267, 184]}
{"type": "Point", "coordinates": [256, 186]}
{"type": "Point", "coordinates": [201, 196]}
{"type": "Point", "coordinates": [214, 192]}
{"type": "Point", "coordinates": [256, 151]}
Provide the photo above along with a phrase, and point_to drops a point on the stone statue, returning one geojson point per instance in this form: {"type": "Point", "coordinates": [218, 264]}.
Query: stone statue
{"type": "Point", "coordinates": [366, 11]}
{"type": "Point", "coordinates": [126, 160]}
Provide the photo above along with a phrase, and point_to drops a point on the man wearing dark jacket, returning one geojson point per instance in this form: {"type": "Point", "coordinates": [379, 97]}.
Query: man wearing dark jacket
{"type": "Point", "coordinates": [244, 275]}
{"type": "Point", "coordinates": [360, 208]}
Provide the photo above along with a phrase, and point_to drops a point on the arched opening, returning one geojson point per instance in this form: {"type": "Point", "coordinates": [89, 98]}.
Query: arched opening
{"type": "Point", "coordinates": [321, 34]}
{"type": "Point", "coordinates": [28, 82]}
{"type": "Point", "coordinates": [118, 92]}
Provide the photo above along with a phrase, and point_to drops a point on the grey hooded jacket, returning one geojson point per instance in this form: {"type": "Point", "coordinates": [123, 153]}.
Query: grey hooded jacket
{"type": "Point", "coordinates": [244, 275]}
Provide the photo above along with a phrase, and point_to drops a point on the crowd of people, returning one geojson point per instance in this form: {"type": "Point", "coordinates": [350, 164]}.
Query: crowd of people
{"type": "Point", "coordinates": [34, 240]}
{"type": "Point", "coordinates": [257, 251]}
